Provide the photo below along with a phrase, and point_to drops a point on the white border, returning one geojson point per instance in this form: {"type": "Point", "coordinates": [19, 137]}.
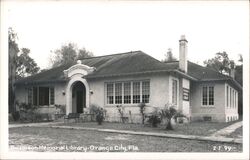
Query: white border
{"type": "Point", "coordinates": [24, 155]}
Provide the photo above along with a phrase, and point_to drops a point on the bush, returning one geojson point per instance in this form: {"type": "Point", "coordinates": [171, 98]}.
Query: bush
{"type": "Point", "coordinates": [154, 119]}
{"type": "Point", "coordinates": [142, 107]}
{"type": "Point", "coordinates": [16, 116]}
{"type": "Point", "coordinates": [99, 113]}
{"type": "Point", "coordinates": [168, 113]}
{"type": "Point", "coordinates": [121, 111]}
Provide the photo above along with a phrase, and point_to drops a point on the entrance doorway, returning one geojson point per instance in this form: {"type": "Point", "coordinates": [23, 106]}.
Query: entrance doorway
{"type": "Point", "coordinates": [78, 97]}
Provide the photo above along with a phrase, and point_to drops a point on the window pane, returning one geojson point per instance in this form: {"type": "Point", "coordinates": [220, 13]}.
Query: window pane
{"type": "Point", "coordinates": [29, 95]}
{"type": "Point", "coordinates": [136, 92]}
{"type": "Point", "coordinates": [127, 93]}
{"type": "Point", "coordinates": [118, 93]}
{"type": "Point", "coordinates": [35, 96]}
{"type": "Point", "coordinates": [174, 92]}
{"type": "Point", "coordinates": [52, 96]}
{"type": "Point", "coordinates": [211, 95]}
{"type": "Point", "coordinates": [204, 96]}
{"type": "Point", "coordinates": [145, 91]}
{"type": "Point", "coordinates": [43, 95]}
{"type": "Point", "coordinates": [110, 93]}
{"type": "Point", "coordinates": [230, 97]}
{"type": "Point", "coordinates": [227, 96]}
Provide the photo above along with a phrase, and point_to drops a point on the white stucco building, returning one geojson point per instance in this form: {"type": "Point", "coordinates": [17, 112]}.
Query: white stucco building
{"type": "Point", "coordinates": [130, 78]}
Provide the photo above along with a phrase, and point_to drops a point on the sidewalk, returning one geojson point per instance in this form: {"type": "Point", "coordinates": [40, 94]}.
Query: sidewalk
{"type": "Point", "coordinates": [228, 130]}
{"type": "Point", "coordinates": [33, 124]}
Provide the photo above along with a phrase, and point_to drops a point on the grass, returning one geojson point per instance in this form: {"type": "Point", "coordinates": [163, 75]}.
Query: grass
{"type": "Point", "coordinates": [65, 140]}
{"type": "Point", "coordinates": [194, 128]}
{"type": "Point", "coordinates": [237, 133]}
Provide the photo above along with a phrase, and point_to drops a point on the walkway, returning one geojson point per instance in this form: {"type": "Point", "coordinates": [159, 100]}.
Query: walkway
{"type": "Point", "coordinates": [33, 124]}
{"type": "Point", "coordinates": [228, 130]}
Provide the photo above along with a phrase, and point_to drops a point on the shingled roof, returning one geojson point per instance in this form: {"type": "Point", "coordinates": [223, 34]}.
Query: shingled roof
{"type": "Point", "coordinates": [129, 63]}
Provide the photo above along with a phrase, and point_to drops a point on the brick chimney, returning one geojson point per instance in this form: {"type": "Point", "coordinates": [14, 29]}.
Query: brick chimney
{"type": "Point", "coordinates": [183, 54]}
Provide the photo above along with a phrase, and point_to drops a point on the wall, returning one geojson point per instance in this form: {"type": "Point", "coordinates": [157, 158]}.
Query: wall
{"type": "Point", "coordinates": [158, 95]}
{"type": "Point", "coordinates": [217, 111]}
{"type": "Point", "coordinates": [22, 96]}
{"type": "Point", "coordinates": [184, 104]}
{"type": "Point", "coordinates": [231, 112]}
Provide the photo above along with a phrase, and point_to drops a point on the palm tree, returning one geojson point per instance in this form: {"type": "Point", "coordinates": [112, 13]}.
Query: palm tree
{"type": "Point", "coordinates": [170, 113]}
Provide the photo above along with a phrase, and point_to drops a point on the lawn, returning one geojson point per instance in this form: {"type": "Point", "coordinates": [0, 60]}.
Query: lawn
{"type": "Point", "coordinates": [194, 128]}
{"type": "Point", "coordinates": [237, 133]}
{"type": "Point", "coordinates": [66, 140]}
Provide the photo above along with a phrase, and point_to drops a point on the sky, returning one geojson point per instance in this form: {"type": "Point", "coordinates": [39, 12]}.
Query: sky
{"type": "Point", "coordinates": [109, 27]}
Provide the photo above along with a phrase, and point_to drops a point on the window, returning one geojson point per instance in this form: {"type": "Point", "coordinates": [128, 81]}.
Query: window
{"type": "Point", "coordinates": [35, 96]}
{"type": "Point", "coordinates": [230, 97]}
{"type": "Point", "coordinates": [52, 96]}
{"type": "Point", "coordinates": [110, 94]}
{"type": "Point", "coordinates": [204, 96]}
{"type": "Point", "coordinates": [227, 96]}
{"type": "Point", "coordinates": [127, 93]}
{"type": "Point", "coordinates": [136, 92]}
{"type": "Point", "coordinates": [118, 93]}
{"type": "Point", "coordinates": [211, 96]}
{"type": "Point", "coordinates": [145, 92]}
{"type": "Point", "coordinates": [29, 95]}
{"type": "Point", "coordinates": [174, 92]}
{"type": "Point", "coordinates": [41, 96]}
{"type": "Point", "coordinates": [207, 95]}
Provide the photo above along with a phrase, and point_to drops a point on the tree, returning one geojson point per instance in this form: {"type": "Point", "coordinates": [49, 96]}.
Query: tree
{"type": "Point", "coordinates": [68, 53]}
{"type": "Point", "coordinates": [220, 63]}
{"type": "Point", "coordinates": [169, 113]}
{"type": "Point", "coordinates": [169, 56]}
{"type": "Point", "coordinates": [13, 50]}
{"type": "Point", "coordinates": [83, 53]}
{"type": "Point", "coordinates": [26, 66]}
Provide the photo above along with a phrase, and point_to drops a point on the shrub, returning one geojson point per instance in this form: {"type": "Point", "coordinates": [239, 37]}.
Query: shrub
{"type": "Point", "coordinates": [142, 107]}
{"type": "Point", "coordinates": [169, 112]}
{"type": "Point", "coordinates": [121, 111]}
{"type": "Point", "coordinates": [99, 113]}
{"type": "Point", "coordinates": [16, 116]}
{"type": "Point", "coordinates": [154, 119]}
{"type": "Point", "coordinates": [62, 108]}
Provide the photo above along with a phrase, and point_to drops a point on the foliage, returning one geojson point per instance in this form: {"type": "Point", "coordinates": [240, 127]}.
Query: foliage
{"type": "Point", "coordinates": [169, 56]}
{"type": "Point", "coordinates": [121, 111]}
{"type": "Point", "coordinates": [68, 53]}
{"type": "Point", "coordinates": [154, 119]}
{"type": "Point", "coordinates": [16, 115]}
{"type": "Point", "coordinates": [220, 63]}
{"type": "Point", "coordinates": [99, 113]}
{"type": "Point", "coordinates": [13, 50]}
{"type": "Point", "coordinates": [62, 108]}
{"type": "Point", "coordinates": [142, 107]}
{"type": "Point", "coordinates": [169, 112]}
{"type": "Point", "coordinates": [26, 66]}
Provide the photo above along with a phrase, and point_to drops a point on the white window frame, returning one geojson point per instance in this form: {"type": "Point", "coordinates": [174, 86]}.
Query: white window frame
{"type": "Point", "coordinates": [171, 78]}
{"type": "Point", "coordinates": [37, 97]}
{"type": "Point", "coordinates": [201, 92]}
{"type": "Point", "coordinates": [131, 92]}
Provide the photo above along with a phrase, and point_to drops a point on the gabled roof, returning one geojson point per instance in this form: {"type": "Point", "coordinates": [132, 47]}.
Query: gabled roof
{"type": "Point", "coordinates": [129, 63]}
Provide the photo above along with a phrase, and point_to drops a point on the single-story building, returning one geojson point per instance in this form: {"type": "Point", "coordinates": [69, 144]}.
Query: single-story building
{"type": "Point", "coordinates": [130, 78]}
